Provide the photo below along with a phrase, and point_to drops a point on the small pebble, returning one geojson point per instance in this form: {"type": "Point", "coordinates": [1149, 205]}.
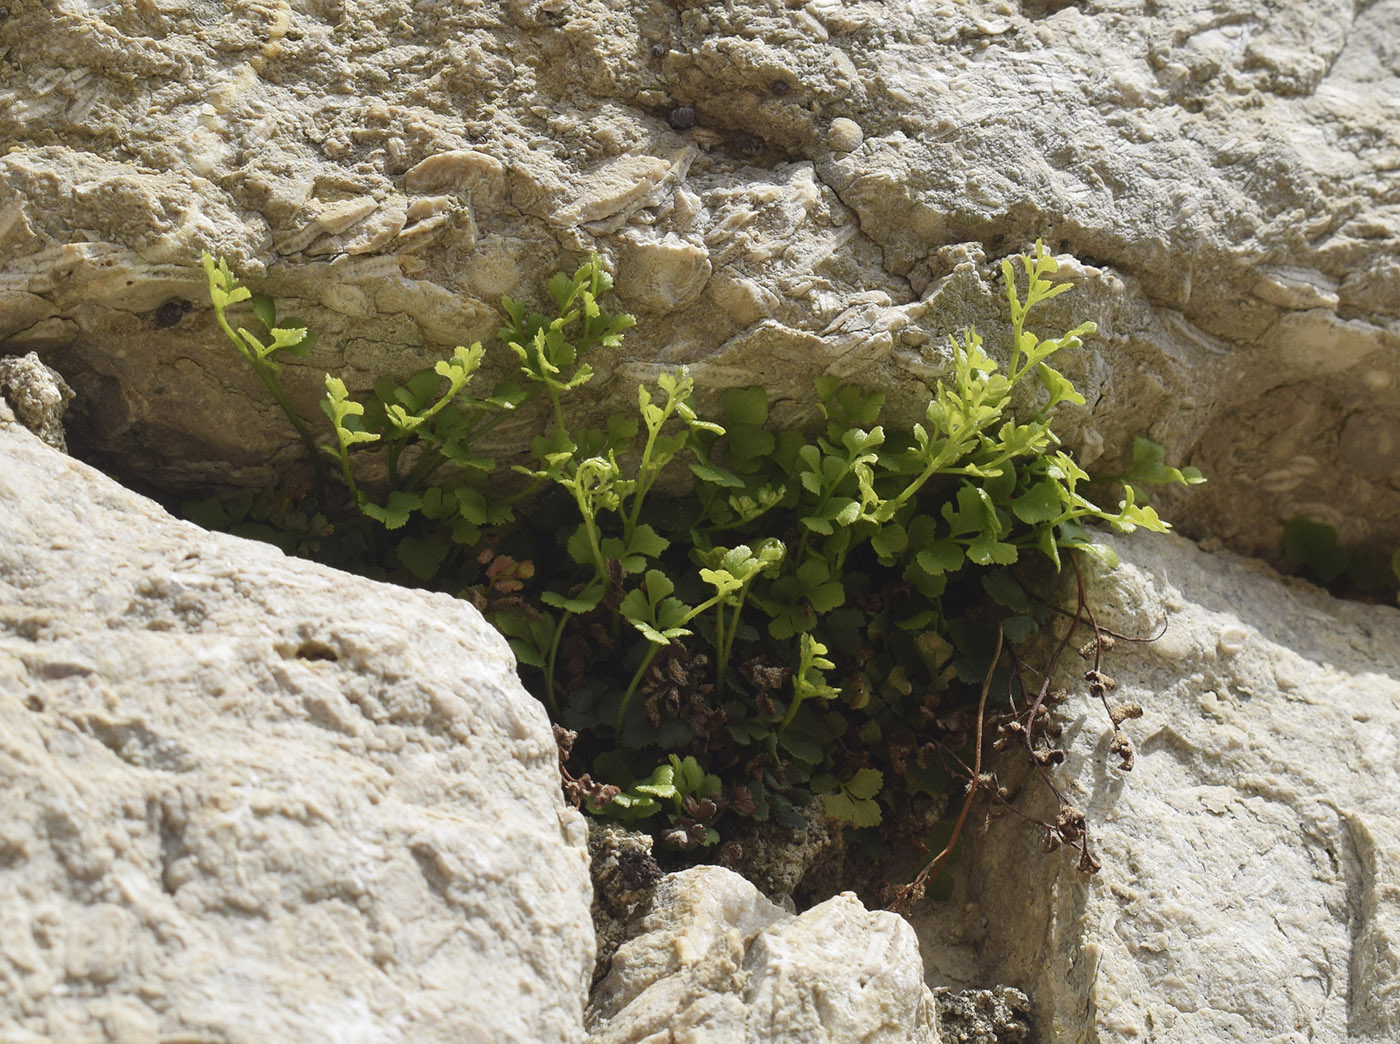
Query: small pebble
{"type": "Point", "coordinates": [844, 135]}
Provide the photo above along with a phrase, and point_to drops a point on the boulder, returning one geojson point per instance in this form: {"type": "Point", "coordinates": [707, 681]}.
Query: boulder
{"type": "Point", "coordinates": [249, 798]}
{"type": "Point", "coordinates": [714, 961]}
{"type": "Point", "coordinates": [1250, 887]}
{"type": "Point", "coordinates": [783, 189]}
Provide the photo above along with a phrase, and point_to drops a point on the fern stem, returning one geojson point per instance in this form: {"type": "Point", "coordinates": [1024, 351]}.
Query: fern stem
{"type": "Point", "coordinates": [549, 665]}
{"type": "Point", "coordinates": [636, 679]}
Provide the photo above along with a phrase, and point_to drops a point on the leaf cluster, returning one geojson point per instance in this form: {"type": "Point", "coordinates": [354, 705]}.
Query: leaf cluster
{"type": "Point", "coordinates": [736, 620]}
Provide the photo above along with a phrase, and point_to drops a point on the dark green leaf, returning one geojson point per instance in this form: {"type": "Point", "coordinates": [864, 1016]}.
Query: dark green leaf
{"type": "Point", "coordinates": [419, 392]}
{"type": "Point", "coordinates": [1005, 591]}
{"type": "Point", "coordinates": [472, 505]}
{"type": "Point", "coordinates": [813, 572]}
{"type": "Point", "coordinates": [1018, 628]}
{"type": "Point", "coordinates": [561, 288]}
{"type": "Point", "coordinates": [1040, 503]}
{"type": "Point", "coordinates": [583, 602]}
{"type": "Point", "coordinates": [889, 542]}
{"type": "Point", "coordinates": [658, 585]}
{"type": "Point", "coordinates": [844, 808]}
{"type": "Point", "coordinates": [526, 653]}
{"type": "Point", "coordinates": [826, 597]}
{"type": "Point", "coordinates": [635, 606]}
{"type": "Point", "coordinates": [802, 745]}
{"type": "Point", "coordinates": [716, 476]}
{"type": "Point", "coordinates": [1148, 461]}
{"type": "Point", "coordinates": [844, 511]}
{"type": "Point", "coordinates": [969, 513]}
{"type": "Point", "coordinates": [671, 613]}
{"type": "Point", "coordinates": [1312, 547]}
{"type": "Point", "coordinates": [464, 532]}
{"type": "Point", "coordinates": [578, 546]}
{"type": "Point", "coordinates": [395, 513]}
{"type": "Point", "coordinates": [1001, 485]}
{"type": "Point", "coordinates": [265, 309]}
{"type": "Point", "coordinates": [745, 406]}
{"type": "Point", "coordinates": [866, 783]}
{"type": "Point", "coordinates": [743, 445]}
{"type": "Point", "coordinates": [646, 541]}
{"type": "Point", "coordinates": [211, 513]}
{"type": "Point", "coordinates": [942, 556]}
{"type": "Point", "coordinates": [985, 549]}
{"type": "Point", "coordinates": [422, 556]}
{"type": "Point", "coordinates": [787, 817]}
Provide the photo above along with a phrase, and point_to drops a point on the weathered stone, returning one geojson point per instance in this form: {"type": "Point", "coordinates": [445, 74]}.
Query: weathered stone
{"type": "Point", "coordinates": [997, 1016]}
{"type": "Point", "coordinates": [250, 798]}
{"type": "Point", "coordinates": [1250, 887]}
{"type": "Point", "coordinates": [815, 187]}
{"type": "Point", "coordinates": [38, 395]}
{"type": "Point", "coordinates": [778, 858]}
{"type": "Point", "coordinates": [844, 135]}
{"type": "Point", "coordinates": [625, 875]}
{"type": "Point", "coordinates": [715, 961]}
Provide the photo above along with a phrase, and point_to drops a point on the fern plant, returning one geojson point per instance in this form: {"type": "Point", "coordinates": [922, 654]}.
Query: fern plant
{"type": "Point", "coordinates": [798, 617]}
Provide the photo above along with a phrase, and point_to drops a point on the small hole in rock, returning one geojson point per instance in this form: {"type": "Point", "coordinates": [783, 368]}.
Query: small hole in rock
{"type": "Point", "coordinates": [170, 313]}
{"type": "Point", "coordinates": [316, 651]}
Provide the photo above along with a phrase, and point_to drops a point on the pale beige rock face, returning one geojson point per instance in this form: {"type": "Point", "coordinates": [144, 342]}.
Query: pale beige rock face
{"type": "Point", "coordinates": [251, 799]}
{"type": "Point", "coordinates": [1250, 887]}
{"type": "Point", "coordinates": [716, 962]}
{"type": "Point", "coordinates": [785, 188]}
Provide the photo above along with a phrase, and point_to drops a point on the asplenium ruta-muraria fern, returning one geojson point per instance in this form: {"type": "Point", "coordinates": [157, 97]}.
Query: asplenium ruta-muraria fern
{"type": "Point", "coordinates": [801, 615]}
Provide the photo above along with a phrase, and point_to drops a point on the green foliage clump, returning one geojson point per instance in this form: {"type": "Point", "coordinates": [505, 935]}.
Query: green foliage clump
{"type": "Point", "coordinates": [1314, 550]}
{"type": "Point", "coordinates": [736, 620]}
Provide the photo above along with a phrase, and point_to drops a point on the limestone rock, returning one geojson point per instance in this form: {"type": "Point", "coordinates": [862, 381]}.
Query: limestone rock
{"type": "Point", "coordinates": [1250, 887]}
{"type": "Point", "coordinates": [785, 188]}
{"type": "Point", "coordinates": [38, 395]}
{"type": "Point", "coordinates": [997, 1016]}
{"type": "Point", "coordinates": [778, 858]}
{"type": "Point", "coordinates": [249, 798]}
{"type": "Point", "coordinates": [715, 961]}
{"type": "Point", "coordinates": [625, 876]}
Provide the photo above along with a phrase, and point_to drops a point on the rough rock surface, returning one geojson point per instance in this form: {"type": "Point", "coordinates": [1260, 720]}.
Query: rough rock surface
{"type": "Point", "coordinates": [1250, 887]}
{"type": "Point", "coordinates": [38, 396]}
{"type": "Point", "coordinates": [998, 1016]}
{"type": "Point", "coordinates": [715, 961]}
{"type": "Point", "coordinates": [783, 188]}
{"type": "Point", "coordinates": [250, 799]}
{"type": "Point", "coordinates": [625, 876]}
